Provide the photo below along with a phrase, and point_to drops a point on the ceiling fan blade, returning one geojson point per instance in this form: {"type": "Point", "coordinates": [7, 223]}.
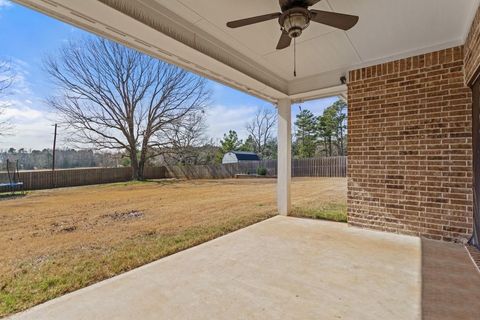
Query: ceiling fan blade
{"type": "Point", "coordinates": [288, 4]}
{"type": "Point", "coordinates": [312, 2]}
{"type": "Point", "coordinates": [252, 20]}
{"type": "Point", "coordinates": [284, 41]}
{"type": "Point", "coordinates": [333, 19]}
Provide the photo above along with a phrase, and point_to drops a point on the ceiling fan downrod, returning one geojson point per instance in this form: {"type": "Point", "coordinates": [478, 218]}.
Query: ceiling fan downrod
{"type": "Point", "coordinates": [295, 57]}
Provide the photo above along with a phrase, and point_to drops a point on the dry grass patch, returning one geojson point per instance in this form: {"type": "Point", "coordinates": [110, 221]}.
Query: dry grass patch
{"type": "Point", "coordinates": [57, 241]}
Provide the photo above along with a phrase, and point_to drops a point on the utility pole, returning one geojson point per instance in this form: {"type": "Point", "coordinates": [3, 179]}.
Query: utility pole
{"type": "Point", "coordinates": [53, 160]}
{"type": "Point", "coordinates": [54, 147]}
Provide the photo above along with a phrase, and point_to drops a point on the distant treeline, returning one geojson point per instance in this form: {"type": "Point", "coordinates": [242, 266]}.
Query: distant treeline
{"type": "Point", "coordinates": [68, 158]}
{"type": "Point", "coordinates": [71, 158]}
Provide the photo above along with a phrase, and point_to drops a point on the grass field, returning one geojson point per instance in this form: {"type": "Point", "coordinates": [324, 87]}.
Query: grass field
{"type": "Point", "coordinates": [56, 241]}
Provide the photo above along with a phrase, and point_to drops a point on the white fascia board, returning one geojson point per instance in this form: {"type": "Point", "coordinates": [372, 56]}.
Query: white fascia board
{"type": "Point", "coordinates": [340, 90]}
{"type": "Point", "coordinates": [96, 17]}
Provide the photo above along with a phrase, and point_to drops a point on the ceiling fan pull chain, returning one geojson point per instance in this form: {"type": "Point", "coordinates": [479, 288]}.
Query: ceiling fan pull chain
{"type": "Point", "coordinates": [294, 57]}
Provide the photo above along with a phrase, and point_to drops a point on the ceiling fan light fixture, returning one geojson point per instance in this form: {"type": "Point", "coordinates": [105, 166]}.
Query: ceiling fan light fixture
{"type": "Point", "coordinates": [295, 17]}
{"type": "Point", "coordinates": [295, 22]}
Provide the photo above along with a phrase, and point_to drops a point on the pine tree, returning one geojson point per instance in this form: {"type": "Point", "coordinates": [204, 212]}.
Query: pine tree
{"type": "Point", "coordinates": [307, 134]}
{"type": "Point", "coordinates": [230, 142]}
{"type": "Point", "coordinates": [332, 128]}
{"type": "Point", "coordinates": [248, 145]}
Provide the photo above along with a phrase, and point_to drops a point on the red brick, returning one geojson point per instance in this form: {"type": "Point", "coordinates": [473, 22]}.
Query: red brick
{"type": "Point", "coordinates": [410, 147]}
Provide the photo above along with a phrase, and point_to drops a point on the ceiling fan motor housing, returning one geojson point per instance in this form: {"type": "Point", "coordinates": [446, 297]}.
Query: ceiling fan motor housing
{"type": "Point", "coordinates": [294, 21]}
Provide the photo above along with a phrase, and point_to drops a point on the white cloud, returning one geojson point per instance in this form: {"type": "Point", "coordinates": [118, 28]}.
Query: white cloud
{"type": "Point", "coordinates": [5, 4]}
{"type": "Point", "coordinates": [221, 119]}
{"type": "Point", "coordinates": [18, 72]}
{"type": "Point", "coordinates": [19, 113]}
{"type": "Point", "coordinates": [21, 85]}
{"type": "Point", "coordinates": [32, 124]}
{"type": "Point", "coordinates": [32, 128]}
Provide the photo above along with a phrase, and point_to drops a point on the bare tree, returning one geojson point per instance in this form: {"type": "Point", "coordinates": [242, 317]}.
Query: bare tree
{"type": "Point", "coordinates": [7, 77]}
{"type": "Point", "coordinates": [261, 129]}
{"type": "Point", "coordinates": [113, 97]}
{"type": "Point", "coordinates": [185, 137]}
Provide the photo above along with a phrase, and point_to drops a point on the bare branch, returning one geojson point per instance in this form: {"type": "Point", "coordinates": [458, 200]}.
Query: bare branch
{"type": "Point", "coordinates": [7, 78]}
{"type": "Point", "coordinates": [113, 97]}
{"type": "Point", "coordinates": [181, 139]}
{"type": "Point", "coordinates": [261, 129]}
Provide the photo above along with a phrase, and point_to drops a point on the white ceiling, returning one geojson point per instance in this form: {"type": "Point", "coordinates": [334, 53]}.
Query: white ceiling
{"type": "Point", "coordinates": [386, 28]}
{"type": "Point", "coordinates": [193, 34]}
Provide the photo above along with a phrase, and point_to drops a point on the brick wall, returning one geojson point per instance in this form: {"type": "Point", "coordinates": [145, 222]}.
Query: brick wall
{"type": "Point", "coordinates": [409, 168]}
{"type": "Point", "coordinates": [472, 51]}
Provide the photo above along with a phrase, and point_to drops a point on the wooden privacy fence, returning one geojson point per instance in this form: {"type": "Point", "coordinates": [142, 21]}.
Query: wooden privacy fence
{"type": "Point", "coordinates": [316, 167]}
{"type": "Point", "coordinates": [320, 167]}
{"type": "Point", "coordinates": [46, 179]}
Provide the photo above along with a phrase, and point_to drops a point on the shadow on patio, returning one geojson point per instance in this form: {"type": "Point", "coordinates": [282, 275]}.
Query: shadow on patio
{"type": "Point", "coordinates": [450, 282]}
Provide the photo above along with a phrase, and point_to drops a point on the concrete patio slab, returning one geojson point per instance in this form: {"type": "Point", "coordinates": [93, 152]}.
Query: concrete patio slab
{"type": "Point", "coordinates": [287, 268]}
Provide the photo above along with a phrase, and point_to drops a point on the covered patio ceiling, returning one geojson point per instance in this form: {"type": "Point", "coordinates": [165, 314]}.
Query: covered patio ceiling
{"type": "Point", "coordinates": [193, 34]}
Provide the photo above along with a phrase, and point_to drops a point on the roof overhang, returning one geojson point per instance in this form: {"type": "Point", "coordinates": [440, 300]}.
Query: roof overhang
{"type": "Point", "coordinates": [192, 34]}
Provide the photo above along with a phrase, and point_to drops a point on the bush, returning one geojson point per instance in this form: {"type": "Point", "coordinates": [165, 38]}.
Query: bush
{"type": "Point", "coordinates": [262, 171]}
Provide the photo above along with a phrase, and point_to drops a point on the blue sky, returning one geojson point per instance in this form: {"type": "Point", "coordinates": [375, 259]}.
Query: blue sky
{"type": "Point", "coordinates": [26, 37]}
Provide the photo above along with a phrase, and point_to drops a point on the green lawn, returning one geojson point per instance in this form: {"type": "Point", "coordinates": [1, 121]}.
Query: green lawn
{"type": "Point", "coordinates": [332, 211]}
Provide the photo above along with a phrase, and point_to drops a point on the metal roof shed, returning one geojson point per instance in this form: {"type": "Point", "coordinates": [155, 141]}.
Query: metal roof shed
{"type": "Point", "coordinates": [237, 156]}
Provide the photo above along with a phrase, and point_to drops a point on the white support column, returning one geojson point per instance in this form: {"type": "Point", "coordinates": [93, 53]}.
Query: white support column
{"type": "Point", "coordinates": [284, 169]}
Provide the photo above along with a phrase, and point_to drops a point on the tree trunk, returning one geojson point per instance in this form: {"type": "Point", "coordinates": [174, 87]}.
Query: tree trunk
{"type": "Point", "coordinates": [143, 159]}
{"type": "Point", "coordinates": [136, 174]}
{"type": "Point", "coordinates": [330, 146]}
{"type": "Point", "coordinates": [141, 169]}
{"type": "Point", "coordinates": [341, 143]}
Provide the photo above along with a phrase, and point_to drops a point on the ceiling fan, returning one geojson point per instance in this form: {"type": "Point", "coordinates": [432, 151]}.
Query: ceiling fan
{"type": "Point", "coordinates": [295, 17]}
